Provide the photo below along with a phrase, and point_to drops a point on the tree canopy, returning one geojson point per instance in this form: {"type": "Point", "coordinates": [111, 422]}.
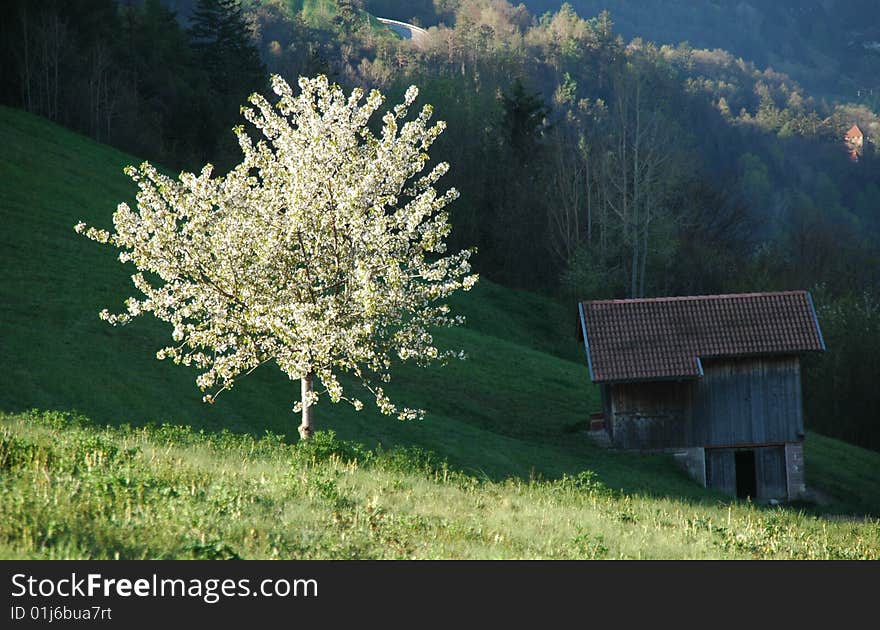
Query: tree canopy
{"type": "Point", "coordinates": [323, 250]}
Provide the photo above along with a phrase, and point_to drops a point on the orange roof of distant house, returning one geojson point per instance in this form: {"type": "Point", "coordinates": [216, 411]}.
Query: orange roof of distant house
{"type": "Point", "coordinates": [854, 132]}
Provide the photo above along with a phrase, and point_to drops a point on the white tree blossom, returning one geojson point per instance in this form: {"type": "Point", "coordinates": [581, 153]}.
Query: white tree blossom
{"type": "Point", "coordinates": [323, 250]}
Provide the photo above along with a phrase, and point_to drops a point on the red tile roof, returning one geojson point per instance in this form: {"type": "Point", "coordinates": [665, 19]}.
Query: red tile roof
{"type": "Point", "coordinates": [662, 338]}
{"type": "Point", "coordinates": [854, 133]}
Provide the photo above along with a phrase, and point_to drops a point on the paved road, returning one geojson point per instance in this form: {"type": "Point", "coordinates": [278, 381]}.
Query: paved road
{"type": "Point", "coordinates": [407, 31]}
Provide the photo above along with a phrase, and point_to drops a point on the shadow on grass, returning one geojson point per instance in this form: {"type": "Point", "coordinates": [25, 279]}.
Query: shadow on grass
{"type": "Point", "coordinates": [544, 460]}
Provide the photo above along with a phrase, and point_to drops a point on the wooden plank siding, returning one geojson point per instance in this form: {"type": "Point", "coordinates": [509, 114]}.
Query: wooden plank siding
{"type": "Point", "coordinates": [736, 402]}
{"type": "Point", "coordinates": [771, 479]}
{"type": "Point", "coordinates": [650, 415]}
{"type": "Point", "coordinates": [747, 401]}
{"type": "Point", "coordinates": [721, 470]}
{"type": "Point", "coordinates": [771, 475]}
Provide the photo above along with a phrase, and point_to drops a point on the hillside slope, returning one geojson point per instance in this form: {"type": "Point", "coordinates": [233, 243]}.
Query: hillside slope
{"type": "Point", "coordinates": [523, 380]}
{"type": "Point", "coordinates": [832, 47]}
{"type": "Point", "coordinates": [829, 46]}
{"type": "Point", "coordinates": [515, 409]}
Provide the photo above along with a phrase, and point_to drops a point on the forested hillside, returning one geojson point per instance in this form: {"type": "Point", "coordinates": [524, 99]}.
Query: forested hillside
{"type": "Point", "coordinates": [830, 46]}
{"type": "Point", "coordinates": [591, 163]}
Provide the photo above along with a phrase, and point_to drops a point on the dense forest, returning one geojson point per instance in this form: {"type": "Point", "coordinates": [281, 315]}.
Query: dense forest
{"type": "Point", "coordinates": [590, 164]}
{"type": "Point", "coordinates": [832, 47]}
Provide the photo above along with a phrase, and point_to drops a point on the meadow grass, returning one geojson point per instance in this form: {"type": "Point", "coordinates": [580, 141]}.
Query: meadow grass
{"type": "Point", "coordinates": [507, 424]}
{"type": "Point", "coordinates": [71, 489]}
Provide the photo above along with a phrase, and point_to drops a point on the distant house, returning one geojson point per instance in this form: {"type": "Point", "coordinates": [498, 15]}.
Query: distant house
{"type": "Point", "coordinates": [855, 142]}
{"type": "Point", "coordinates": [714, 378]}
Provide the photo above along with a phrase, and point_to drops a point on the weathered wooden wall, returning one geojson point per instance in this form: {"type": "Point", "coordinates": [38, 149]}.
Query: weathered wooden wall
{"type": "Point", "coordinates": [738, 404]}
{"type": "Point", "coordinates": [721, 470]}
{"type": "Point", "coordinates": [771, 480]}
{"type": "Point", "coordinates": [771, 476]}
{"type": "Point", "coordinates": [650, 415]}
{"type": "Point", "coordinates": [755, 401]}
{"type": "Point", "coordinates": [737, 401]}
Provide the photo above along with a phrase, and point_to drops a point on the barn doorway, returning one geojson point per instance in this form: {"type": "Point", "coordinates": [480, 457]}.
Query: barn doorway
{"type": "Point", "coordinates": [746, 477]}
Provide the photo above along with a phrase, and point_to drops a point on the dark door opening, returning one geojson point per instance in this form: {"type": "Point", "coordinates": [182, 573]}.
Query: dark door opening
{"type": "Point", "coordinates": [746, 479]}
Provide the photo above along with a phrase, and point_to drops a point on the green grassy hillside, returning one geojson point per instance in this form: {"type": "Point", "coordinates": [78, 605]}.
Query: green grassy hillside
{"type": "Point", "coordinates": [321, 13]}
{"type": "Point", "coordinates": [72, 490]}
{"type": "Point", "coordinates": [514, 410]}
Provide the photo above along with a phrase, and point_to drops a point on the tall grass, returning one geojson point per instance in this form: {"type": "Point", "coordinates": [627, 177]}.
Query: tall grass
{"type": "Point", "coordinates": [73, 490]}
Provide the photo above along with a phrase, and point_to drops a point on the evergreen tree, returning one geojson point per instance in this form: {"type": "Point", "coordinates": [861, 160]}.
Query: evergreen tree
{"type": "Point", "coordinates": [222, 42]}
{"type": "Point", "coordinates": [159, 66]}
{"type": "Point", "coordinates": [523, 118]}
{"type": "Point", "coordinates": [223, 47]}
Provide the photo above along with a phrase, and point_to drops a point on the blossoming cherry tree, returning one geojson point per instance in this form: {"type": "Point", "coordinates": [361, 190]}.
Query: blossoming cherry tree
{"type": "Point", "coordinates": [323, 250]}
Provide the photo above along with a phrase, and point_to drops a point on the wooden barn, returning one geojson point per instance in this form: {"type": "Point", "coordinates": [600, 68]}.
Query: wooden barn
{"type": "Point", "coordinates": [714, 378]}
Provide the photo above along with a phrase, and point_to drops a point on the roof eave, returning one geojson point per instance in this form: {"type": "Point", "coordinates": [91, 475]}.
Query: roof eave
{"type": "Point", "coordinates": [586, 341]}
{"type": "Point", "coordinates": [816, 322]}
{"type": "Point", "coordinates": [649, 379]}
{"type": "Point", "coordinates": [699, 366]}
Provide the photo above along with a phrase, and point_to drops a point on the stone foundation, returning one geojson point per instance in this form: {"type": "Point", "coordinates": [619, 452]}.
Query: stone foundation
{"type": "Point", "coordinates": [794, 466]}
{"type": "Point", "coordinates": [693, 461]}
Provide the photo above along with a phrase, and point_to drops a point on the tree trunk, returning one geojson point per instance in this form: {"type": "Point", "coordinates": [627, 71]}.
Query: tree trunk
{"type": "Point", "coordinates": [26, 83]}
{"type": "Point", "coordinates": [634, 262]}
{"type": "Point", "coordinates": [643, 270]}
{"type": "Point", "coordinates": [306, 427]}
{"type": "Point", "coordinates": [589, 185]}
